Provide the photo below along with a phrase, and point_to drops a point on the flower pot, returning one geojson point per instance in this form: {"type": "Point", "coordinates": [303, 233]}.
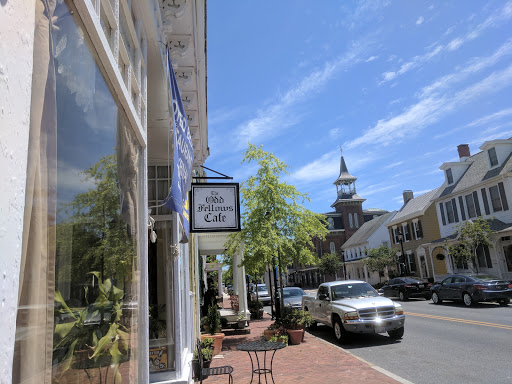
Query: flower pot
{"type": "Point", "coordinates": [241, 324]}
{"type": "Point", "coordinates": [268, 333]}
{"type": "Point", "coordinates": [217, 341]}
{"type": "Point", "coordinates": [195, 368]}
{"type": "Point", "coordinates": [295, 335]}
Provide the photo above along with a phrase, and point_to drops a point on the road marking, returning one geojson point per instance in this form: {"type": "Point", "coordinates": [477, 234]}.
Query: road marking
{"type": "Point", "coordinates": [454, 319]}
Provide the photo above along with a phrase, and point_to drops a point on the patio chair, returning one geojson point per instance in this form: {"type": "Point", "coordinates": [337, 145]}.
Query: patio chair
{"type": "Point", "coordinates": [214, 371]}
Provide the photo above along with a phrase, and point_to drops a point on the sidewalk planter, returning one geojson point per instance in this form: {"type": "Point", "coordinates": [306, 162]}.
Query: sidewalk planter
{"type": "Point", "coordinates": [218, 338]}
{"type": "Point", "coordinates": [295, 336]}
{"type": "Point", "coordinates": [268, 333]}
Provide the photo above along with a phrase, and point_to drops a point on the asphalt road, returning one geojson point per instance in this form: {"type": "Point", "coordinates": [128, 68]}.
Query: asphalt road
{"type": "Point", "coordinates": [443, 344]}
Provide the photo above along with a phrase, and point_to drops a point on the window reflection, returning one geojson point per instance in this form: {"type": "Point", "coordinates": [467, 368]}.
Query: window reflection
{"type": "Point", "coordinates": [89, 292]}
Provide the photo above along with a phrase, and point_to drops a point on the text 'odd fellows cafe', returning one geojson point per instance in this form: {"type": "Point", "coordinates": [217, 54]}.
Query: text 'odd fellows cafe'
{"type": "Point", "coordinates": [215, 208]}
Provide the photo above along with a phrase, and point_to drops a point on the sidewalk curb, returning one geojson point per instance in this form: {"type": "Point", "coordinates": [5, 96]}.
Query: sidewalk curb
{"type": "Point", "coordinates": [373, 366]}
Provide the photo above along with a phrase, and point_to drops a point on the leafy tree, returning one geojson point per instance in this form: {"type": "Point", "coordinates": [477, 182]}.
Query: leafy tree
{"type": "Point", "coordinates": [471, 236]}
{"type": "Point", "coordinates": [94, 230]}
{"type": "Point", "coordinates": [380, 258]}
{"type": "Point", "coordinates": [276, 225]}
{"type": "Point", "coordinates": [330, 264]}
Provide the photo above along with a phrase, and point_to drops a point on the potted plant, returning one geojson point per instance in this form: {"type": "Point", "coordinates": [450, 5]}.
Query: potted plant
{"type": "Point", "coordinates": [241, 320]}
{"type": "Point", "coordinates": [295, 323]}
{"type": "Point", "coordinates": [206, 349]}
{"type": "Point", "coordinates": [280, 336]}
{"type": "Point", "coordinates": [95, 336]}
{"type": "Point", "coordinates": [211, 323]}
{"type": "Point", "coordinates": [272, 329]}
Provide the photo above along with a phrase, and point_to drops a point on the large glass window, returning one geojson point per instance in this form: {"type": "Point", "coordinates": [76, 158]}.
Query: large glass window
{"type": "Point", "coordinates": [79, 282]}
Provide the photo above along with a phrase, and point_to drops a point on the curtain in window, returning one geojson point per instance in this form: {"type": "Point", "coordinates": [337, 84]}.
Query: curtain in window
{"type": "Point", "coordinates": [34, 323]}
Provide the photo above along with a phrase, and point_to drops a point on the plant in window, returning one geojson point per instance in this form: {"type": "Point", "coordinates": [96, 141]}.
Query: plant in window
{"type": "Point", "coordinates": [92, 337]}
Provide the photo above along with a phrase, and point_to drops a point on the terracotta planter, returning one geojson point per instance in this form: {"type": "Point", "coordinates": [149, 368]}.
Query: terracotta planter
{"type": "Point", "coordinates": [217, 341]}
{"type": "Point", "coordinates": [268, 333]}
{"type": "Point", "coordinates": [295, 336]}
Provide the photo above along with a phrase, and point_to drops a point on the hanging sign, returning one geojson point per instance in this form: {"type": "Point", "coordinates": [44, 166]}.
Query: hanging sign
{"type": "Point", "coordinates": [177, 200]}
{"type": "Point", "coordinates": [215, 207]}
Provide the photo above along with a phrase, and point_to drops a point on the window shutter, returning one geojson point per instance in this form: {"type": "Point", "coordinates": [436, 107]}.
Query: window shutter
{"type": "Point", "coordinates": [487, 256]}
{"type": "Point", "coordinates": [486, 202]}
{"type": "Point", "coordinates": [420, 229]}
{"type": "Point", "coordinates": [477, 204]}
{"type": "Point", "coordinates": [409, 237]}
{"type": "Point", "coordinates": [441, 208]}
{"type": "Point", "coordinates": [503, 196]}
{"type": "Point", "coordinates": [462, 211]}
{"type": "Point", "coordinates": [455, 213]}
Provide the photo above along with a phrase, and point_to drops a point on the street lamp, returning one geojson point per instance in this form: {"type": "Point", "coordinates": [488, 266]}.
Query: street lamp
{"type": "Point", "coordinates": [400, 237]}
{"type": "Point", "coordinates": [344, 266]}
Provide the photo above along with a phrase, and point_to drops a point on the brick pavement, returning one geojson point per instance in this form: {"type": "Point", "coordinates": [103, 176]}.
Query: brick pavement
{"type": "Point", "coordinates": [313, 361]}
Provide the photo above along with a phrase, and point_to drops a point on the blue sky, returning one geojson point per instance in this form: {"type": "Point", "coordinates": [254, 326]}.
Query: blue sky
{"type": "Point", "coordinates": [398, 85]}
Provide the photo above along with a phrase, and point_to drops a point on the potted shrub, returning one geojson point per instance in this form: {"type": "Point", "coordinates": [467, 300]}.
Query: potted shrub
{"type": "Point", "coordinates": [95, 337]}
{"type": "Point", "coordinates": [272, 329]}
{"type": "Point", "coordinates": [211, 323]}
{"type": "Point", "coordinates": [241, 320]}
{"type": "Point", "coordinates": [280, 336]}
{"type": "Point", "coordinates": [295, 323]}
{"type": "Point", "coordinates": [206, 349]}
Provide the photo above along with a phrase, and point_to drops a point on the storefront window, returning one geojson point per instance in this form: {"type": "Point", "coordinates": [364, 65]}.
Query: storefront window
{"type": "Point", "coordinates": [79, 282]}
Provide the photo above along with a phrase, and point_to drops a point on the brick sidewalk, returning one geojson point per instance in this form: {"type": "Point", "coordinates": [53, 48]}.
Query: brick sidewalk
{"type": "Point", "coordinates": [313, 362]}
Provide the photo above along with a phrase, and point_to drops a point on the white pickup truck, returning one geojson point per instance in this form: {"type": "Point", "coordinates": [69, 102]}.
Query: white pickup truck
{"type": "Point", "coordinates": [355, 307]}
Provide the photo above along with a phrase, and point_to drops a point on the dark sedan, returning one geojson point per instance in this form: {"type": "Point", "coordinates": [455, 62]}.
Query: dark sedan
{"type": "Point", "coordinates": [471, 289]}
{"type": "Point", "coordinates": [406, 287]}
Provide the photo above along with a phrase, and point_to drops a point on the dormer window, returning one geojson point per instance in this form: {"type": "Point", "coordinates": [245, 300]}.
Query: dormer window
{"type": "Point", "coordinates": [449, 176]}
{"type": "Point", "coordinates": [493, 158]}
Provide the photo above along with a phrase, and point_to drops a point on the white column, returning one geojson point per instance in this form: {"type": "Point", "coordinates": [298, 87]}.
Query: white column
{"type": "Point", "coordinates": [219, 282]}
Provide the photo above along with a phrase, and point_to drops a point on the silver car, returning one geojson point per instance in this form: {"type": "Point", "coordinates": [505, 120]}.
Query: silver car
{"type": "Point", "coordinates": [260, 292]}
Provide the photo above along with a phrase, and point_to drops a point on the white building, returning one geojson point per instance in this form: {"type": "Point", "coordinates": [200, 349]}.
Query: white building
{"type": "Point", "coordinates": [87, 143]}
{"type": "Point", "coordinates": [371, 234]}
{"type": "Point", "coordinates": [478, 186]}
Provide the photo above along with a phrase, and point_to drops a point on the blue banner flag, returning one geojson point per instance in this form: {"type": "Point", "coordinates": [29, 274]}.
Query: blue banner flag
{"type": "Point", "coordinates": [177, 200]}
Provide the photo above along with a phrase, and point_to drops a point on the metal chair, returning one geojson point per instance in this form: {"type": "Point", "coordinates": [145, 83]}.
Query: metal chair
{"type": "Point", "coordinates": [215, 371]}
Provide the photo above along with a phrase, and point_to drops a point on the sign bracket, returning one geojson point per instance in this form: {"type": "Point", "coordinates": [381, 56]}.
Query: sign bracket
{"type": "Point", "coordinates": [224, 177]}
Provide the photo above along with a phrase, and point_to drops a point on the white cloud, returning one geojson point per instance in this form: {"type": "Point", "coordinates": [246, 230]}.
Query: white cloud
{"type": "Point", "coordinates": [371, 58]}
{"type": "Point", "coordinates": [335, 133]}
{"type": "Point", "coordinates": [487, 119]}
{"type": "Point", "coordinates": [271, 121]}
{"type": "Point", "coordinates": [428, 111]}
{"type": "Point", "coordinates": [420, 20]}
{"type": "Point", "coordinates": [497, 18]}
{"type": "Point", "coordinates": [394, 165]}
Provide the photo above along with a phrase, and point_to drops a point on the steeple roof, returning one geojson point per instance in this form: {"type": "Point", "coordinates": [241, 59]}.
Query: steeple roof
{"type": "Point", "coordinates": [345, 177]}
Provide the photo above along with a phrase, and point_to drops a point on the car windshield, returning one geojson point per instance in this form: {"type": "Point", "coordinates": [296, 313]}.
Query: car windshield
{"type": "Point", "coordinates": [291, 292]}
{"type": "Point", "coordinates": [261, 288]}
{"type": "Point", "coordinates": [409, 280]}
{"type": "Point", "coordinates": [352, 291]}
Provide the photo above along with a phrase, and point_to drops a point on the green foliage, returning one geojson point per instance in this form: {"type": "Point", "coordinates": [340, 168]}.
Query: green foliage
{"type": "Point", "coordinates": [212, 320]}
{"type": "Point", "coordinates": [275, 223]}
{"type": "Point", "coordinates": [297, 318]}
{"type": "Point", "coordinates": [471, 235]}
{"type": "Point", "coordinates": [95, 228]}
{"type": "Point", "coordinates": [95, 330]}
{"type": "Point", "coordinates": [279, 338]}
{"type": "Point", "coordinates": [330, 263]}
{"type": "Point", "coordinates": [157, 324]}
{"type": "Point", "coordinates": [380, 258]}
{"type": "Point", "coordinates": [206, 349]}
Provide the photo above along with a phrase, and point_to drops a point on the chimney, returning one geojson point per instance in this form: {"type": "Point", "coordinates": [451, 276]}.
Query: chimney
{"type": "Point", "coordinates": [463, 150]}
{"type": "Point", "coordinates": [408, 195]}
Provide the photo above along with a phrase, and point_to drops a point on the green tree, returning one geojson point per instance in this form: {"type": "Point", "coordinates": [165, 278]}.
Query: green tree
{"type": "Point", "coordinates": [471, 236]}
{"type": "Point", "coordinates": [330, 264]}
{"type": "Point", "coordinates": [276, 225]}
{"type": "Point", "coordinates": [94, 229]}
{"type": "Point", "coordinates": [380, 258]}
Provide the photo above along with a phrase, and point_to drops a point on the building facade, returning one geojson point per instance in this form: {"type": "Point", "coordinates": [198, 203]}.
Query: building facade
{"type": "Point", "coordinates": [413, 225]}
{"type": "Point", "coordinates": [88, 159]}
{"type": "Point", "coordinates": [372, 234]}
{"type": "Point", "coordinates": [478, 186]}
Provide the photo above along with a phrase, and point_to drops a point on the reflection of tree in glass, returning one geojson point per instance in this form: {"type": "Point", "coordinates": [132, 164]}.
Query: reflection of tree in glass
{"type": "Point", "coordinates": [100, 238]}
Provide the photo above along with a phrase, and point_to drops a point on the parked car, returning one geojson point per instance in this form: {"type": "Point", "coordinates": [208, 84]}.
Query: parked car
{"type": "Point", "coordinates": [292, 298]}
{"type": "Point", "coordinates": [471, 289]}
{"type": "Point", "coordinates": [352, 306]}
{"type": "Point", "coordinates": [406, 287]}
{"type": "Point", "coordinates": [260, 291]}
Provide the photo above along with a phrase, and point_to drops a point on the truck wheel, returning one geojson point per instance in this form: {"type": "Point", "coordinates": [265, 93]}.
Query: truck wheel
{"type": "Point", "coordinates": [396, 334]}
{"type": "Point", "coordinates": [339, 332]}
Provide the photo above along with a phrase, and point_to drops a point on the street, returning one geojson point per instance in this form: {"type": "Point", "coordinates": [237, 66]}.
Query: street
{"type": "Point", "coordinates": [447, 343]}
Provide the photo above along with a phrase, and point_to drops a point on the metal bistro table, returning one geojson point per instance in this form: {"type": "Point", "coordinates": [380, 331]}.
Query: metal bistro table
{"type": "Point", "coordinates": [261, 346]}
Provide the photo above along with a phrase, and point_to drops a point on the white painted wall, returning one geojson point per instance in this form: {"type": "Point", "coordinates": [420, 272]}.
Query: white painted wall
{"type": "Point", "coordinates": [16, 46]}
